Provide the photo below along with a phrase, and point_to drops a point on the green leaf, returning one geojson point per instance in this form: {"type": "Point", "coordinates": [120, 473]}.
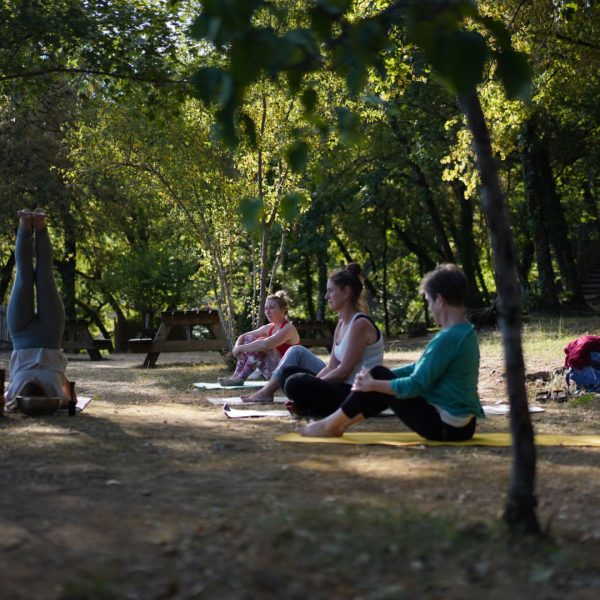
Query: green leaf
{"type": "Point", "coordinates": [224, 128]}
{"type": "Point", "coordinates": [213, 85]}
{"type": "Point", "coordinates": [251, 212]}
{"type": "Point", "coordinates": [309, 100]}
{"type": "Point", "coordinates": [498, 30]}
{"type": "Point", "coordinates": [249, 127]}
{"type": "Point", "coordinates": [221, 21]}
{"type": "Point", "coordinates": [356, 79]}
{"type": "Point", "coordinates": [349, 126]}
{"type": "Point", "coordinates": [368, 40]}
{"type": "Point", "coordinates": [297, 156]}
{"type": "Point", "coordinates": [334, 8]}
{"type": "Point", "coordinates": [515, 73]}
{"type": "Point", "coordinates": [290, 206]}
{"type": "Point", "coordinates": [459, 58]}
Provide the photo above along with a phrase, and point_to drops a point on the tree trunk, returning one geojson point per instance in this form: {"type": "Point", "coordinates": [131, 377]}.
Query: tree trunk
{"type": "Point", "coordinates": [68, 266]}
{"type": "Point", "coordinates": [7, 271]}
{"type": "Point", "coordinates": [436, 219]}
{"type": "Point", "coordinates": [537, 223]}
{"type": "Point", "coordinates": [422, 255]}
{"type": "Point", "coordinates": [520, 510]}
{"type": "Point", "coordinates": [308, 289]}
{"type": "Point", "coordinates": [322, 285]}
{"type": "Point", "coordinates": [384, 291]}
{"type": "Point", "coordinates": [589, 201]}
{"type": "Point", "coordinates": [95, 317]}
{"type": "Point", "coordinates": [467, 249]}
{"type": "Point", "coordinates": [368, 285]}
{"type": "Point", "coordinates": [524, 266]}
{"type": "Point", "coordinates": [554, 214]}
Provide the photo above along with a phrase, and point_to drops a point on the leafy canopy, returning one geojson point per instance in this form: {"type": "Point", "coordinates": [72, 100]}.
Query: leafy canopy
{"type": "Point", "coordinates": [349, 38]}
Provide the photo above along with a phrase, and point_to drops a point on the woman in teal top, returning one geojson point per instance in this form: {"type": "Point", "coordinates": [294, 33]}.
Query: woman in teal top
{"type": "Point", "coordinates": [437, 396]}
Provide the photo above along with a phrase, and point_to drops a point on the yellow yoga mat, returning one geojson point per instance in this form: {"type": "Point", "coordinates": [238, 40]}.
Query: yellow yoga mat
{"type": "Point", "coordinates": [412, 439]}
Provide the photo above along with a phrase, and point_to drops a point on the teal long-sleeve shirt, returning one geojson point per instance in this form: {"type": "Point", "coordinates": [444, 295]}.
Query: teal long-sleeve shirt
{"type": "Point", "coordinates": [446, 374]}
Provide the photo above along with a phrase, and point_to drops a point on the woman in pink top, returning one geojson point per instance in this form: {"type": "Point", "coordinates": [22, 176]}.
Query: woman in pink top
{"type": "Point", "coordinates": [263, 348]}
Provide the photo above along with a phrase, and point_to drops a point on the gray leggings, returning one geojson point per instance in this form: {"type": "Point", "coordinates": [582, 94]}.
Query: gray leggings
{"type": "Point", "coordinates": [29, 329]}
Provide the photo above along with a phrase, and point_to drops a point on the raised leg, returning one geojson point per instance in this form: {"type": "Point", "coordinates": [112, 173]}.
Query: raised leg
{"type": "Point", "coordinates": [20, 309]}
{"type": "Point", "coordinates": [50, 308]}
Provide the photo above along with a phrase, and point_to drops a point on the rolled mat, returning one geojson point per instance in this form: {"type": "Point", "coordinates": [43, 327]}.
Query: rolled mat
{"type": "Point", "coordinates": [412, 439]}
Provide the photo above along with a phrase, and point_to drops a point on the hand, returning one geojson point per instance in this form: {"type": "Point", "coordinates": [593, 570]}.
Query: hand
{"type": "Point", "coordinates": [236, 351]}
{"type": "Point", "coordinates": [361, 377]}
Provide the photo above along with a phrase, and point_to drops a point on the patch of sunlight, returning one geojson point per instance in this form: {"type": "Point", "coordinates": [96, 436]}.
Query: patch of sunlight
{"type": "Point", "coordinates": [375, 468]}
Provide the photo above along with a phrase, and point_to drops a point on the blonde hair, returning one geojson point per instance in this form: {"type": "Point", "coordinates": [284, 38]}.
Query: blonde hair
{"type": "Point", "coordinates": [282, 300]}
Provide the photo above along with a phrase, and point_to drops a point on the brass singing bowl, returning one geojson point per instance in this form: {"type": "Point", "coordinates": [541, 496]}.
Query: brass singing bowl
{"type": "Point", "coordinates": [38, 405]}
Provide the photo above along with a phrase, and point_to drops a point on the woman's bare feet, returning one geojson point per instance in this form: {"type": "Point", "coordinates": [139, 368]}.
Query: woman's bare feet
{"type": "Point", "coordinates": [332, 426]}
{"type": "Point", "coordinates": [230, 381]}
{"type": "Point", "coordinates": [25, 219]}
{"type": "Point", "coordinates": [291, 406]}
{"type": "Point", "coordinates": [38, 217]}
{"type": "Point", "coordinates": [264, 394]}
{"type": "Point", "coordinates": [320, 429]}
{"type": "Point", "coordinates": [258, 396]}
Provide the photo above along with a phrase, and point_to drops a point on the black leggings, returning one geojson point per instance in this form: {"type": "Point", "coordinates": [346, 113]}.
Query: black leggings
{"type": "Point", "coordinates": [313, 397]}
{"type": "Point", "coordinates": [415, 413]}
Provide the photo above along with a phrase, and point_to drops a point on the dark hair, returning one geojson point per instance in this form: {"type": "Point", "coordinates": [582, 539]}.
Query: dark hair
{"type": "Point", "coordinates": [33, 388]}
{"type": "Point", "coordinates": [282, 300]}
{"type": "Point", "coordinates": [448, 281]}
{"type": "Point", "coordinates": [350, 277]}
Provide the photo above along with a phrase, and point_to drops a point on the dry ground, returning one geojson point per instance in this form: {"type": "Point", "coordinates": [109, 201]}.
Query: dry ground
{"type": "Point", "coordinates": [152, 493]}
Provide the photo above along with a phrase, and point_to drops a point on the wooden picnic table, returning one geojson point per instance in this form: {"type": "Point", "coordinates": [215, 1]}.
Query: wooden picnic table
{"type": "Point", "coordinates": [176, 334]}
{"type": "Point", "coordinates": [77, 337]}
{"type": "Point", "coordinates": [316, 333]}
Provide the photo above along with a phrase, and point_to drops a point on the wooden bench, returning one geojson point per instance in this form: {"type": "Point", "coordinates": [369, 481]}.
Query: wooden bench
{"type": "Point", "coordinates": [316, 334]}
{"type": "Point", "coordinates": [181, 322]}
{"type": "Point", "coordinates": [77, 337]}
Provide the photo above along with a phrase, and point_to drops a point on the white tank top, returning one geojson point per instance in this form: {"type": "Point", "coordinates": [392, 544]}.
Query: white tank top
{"type": "Point", "coordinates": [372, 355]}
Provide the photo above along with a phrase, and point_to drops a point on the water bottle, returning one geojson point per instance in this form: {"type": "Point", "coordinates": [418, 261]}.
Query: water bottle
{"type": "Point", "coordinates": [72, 400]}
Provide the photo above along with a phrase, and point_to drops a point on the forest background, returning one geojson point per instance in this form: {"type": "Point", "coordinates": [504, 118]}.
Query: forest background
{"type": "Point", "coordinates": [103, 125]}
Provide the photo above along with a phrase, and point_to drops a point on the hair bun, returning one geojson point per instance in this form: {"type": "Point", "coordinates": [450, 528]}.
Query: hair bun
{"type": "Point", "coordinates": [354, 268]}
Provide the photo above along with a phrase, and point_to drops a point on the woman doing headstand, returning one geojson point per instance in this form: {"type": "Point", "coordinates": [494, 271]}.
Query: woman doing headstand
{"type": "Point", "coordinates": [37, 364]}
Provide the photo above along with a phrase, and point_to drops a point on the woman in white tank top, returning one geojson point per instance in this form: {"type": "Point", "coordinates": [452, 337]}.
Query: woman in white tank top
{"type": "Point", "coordinates": [357, 343]}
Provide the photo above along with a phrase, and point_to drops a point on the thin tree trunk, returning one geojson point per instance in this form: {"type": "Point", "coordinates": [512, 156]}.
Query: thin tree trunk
{"type": "Point", "coordinates": [384, 291]}
{"type": "Point", "coordinates": [466, 243]}
{"type": "Point", "coordinates": [434, 213]}
{"type": "Point", "coordinates": [370, 287]}
{"type": "Point", "coordinates": [7, 271]}
{"type": "Point", "coordinates": [537, 222]}
{"type": "Point", "coordinates": [277, 261]}
{"type": "Point", "coordinates": [520, 510]}
{"type": "Point", "coordinates": [67, 267]}
{"type": "Point", "coordinates": [589, 201]}
{"type": "Point", "coordinates": [424, 258]}
{"type": "Point", "coordinates": [322, 285]}
{"type": "Point", "coordinates": [95, 317]}
{"type": "Point", "coordinates": [308, 289]}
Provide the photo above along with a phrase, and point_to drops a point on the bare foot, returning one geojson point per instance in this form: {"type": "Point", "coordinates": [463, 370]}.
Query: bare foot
{"type": "Point", "coordinates": [38, 216]}
{"type": "Point", "coordinates": [291, 406]}
{"type": "Point", "coordinates": [25, 219]}
{"type": "Point", "coordinates": [320, 429]}
{"type": "Point", "coordinates": [230, 381]}
{"type": "Point", "coordinates": [258, 396]}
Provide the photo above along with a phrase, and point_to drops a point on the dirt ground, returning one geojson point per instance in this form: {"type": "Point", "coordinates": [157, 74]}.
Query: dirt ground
{"type": "Point", "coordinates": [151, 493]}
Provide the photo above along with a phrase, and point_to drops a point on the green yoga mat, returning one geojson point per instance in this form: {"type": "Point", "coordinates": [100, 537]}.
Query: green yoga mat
{"type": "Point", "coordinates": [498, 440]}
